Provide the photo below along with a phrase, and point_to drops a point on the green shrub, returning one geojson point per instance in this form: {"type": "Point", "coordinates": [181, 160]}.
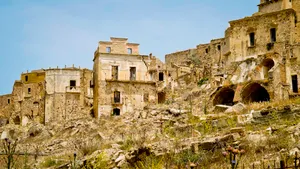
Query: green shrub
{"type": "Point", "coordinates": [202, 81]}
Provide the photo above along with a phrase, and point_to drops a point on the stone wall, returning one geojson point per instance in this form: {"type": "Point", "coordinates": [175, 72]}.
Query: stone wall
{"type": "Point", "coordinates": [118, 46]}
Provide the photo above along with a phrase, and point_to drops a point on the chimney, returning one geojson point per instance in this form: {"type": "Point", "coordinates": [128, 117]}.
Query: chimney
{"type": "Point", "coordinates": [150, 55]}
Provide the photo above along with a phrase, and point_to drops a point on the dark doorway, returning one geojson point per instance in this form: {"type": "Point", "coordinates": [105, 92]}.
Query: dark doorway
{"type": "Point", "coordinates": [132, 73]}
{"type": "Point", "coordinates": [161, 76]}
{"type": "Point", "coordinates": [116, 112]}
{"type": "Point", "coordinates": [161, 97]}
{"type": "Point", "coordinates": [254, 92]}
{"type": "Point", "coordinates": [224, 97]}
{"type": "Point", "coordinates": [295, 83]}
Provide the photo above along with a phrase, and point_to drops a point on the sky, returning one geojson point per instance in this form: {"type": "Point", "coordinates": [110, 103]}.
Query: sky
{"type": "Point", "coordinates": [38, 34]}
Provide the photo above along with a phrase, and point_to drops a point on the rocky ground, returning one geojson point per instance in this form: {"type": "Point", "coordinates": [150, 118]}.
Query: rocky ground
{"type": "Point", "coordinates": [172, 135]}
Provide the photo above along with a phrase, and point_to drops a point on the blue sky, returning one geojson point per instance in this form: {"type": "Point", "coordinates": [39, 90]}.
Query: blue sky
{"type": "Point", "coordinates": [40, 34]}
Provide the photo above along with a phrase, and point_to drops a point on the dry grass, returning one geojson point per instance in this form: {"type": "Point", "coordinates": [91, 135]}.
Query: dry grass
{"type": "Point", "coordinates": [262, 105]}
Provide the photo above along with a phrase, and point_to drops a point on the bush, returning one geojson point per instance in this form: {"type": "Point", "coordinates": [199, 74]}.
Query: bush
{"type": "Point", "coordinates": [202, 81]}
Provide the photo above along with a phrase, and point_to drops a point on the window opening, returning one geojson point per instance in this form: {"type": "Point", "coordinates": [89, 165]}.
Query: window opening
{"type": "Point", "coordinates": [116, 112]}
{"type": "Point", "coordinates": [72, 84]}
{"type": "Point", "coordinates": [252, 39]}
{"type": "Point", "coordinates": [273, 34]}
{"type": "Point", "coordinates": [295, 83]}
{"type": "Point", "coordinates": [132, 73]}
{"type": "Point", "coordinates": [117, 97]}
{"type": "Point", "coordinates": [161, 76]}
{"type": "Point", "coordinates": [114, 73]}
{"type": "Point", "coordinates": [129, 51]}
{"type": "Point", "coordinates": [108, 49]}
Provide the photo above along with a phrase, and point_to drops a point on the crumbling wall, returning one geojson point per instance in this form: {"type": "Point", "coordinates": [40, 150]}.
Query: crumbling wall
{"type": "Point", "coordinates": [240, 47]}
{"type": "Point", "coordinates": [118, 46]}
{"type": "Point", "coordinates": [131, 94]}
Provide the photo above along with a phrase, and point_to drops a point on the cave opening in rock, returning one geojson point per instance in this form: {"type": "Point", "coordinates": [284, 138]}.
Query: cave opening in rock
{"type": "Point", "coordinates": [224, 97]}
{"type": "Point", "coordinates": [254, 92]}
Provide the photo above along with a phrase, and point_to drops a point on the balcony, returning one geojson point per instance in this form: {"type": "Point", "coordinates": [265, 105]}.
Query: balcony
{"type": "Point", "coordinates": [73, 89]}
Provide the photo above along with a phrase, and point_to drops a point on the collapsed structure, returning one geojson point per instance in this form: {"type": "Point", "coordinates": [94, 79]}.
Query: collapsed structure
{"type": "Point", "coordinates": [124, 80]}
{"type": "Point", "coordinates": [257, 60]}
{"type": "Point", "coordinates": [48, 94]}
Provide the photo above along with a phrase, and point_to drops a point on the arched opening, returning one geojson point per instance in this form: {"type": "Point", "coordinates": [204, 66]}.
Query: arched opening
{"type": "Point", "coordinates": [254, 92]}
{"type": "Point", "coordinates": [224, 97]}
{"type": "Point", "coordinates": [17, 120]}
{"type": "Point", "coordinates": [116, 112]}
{"type": "Point", "coordinates": [161, 97]}
{"type": "Point", "coordinates": [267, 66]}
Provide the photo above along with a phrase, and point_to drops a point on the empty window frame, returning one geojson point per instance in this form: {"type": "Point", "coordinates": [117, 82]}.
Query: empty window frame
{"type": "Point", "coordinates": [29, 90]}
{"type": "Point", "coordinates": [132, 73]}
{"type": "Point", "coordinates": [252, 39]}
{"type": "Point", "coordinates": [273, 34]}
{"type": "Point", "coordinates": [219, 47]}
{"type": "Point", "coordinates": [8, 101]}
{"type": "Point", "coordinates": [108, 49]}
{"type": "Point", "coordinates": [72, 84]}
{"type": "Point", "coordinates": [161, 76]}
{"type": "Point", "coordinates": [114, 72]}
{"type": "Point", "coordinates": [129, 50]}
{"type": "Point", "coordinates": [26, 78]}
{"type": "Point", "coordinates": [117, 97]}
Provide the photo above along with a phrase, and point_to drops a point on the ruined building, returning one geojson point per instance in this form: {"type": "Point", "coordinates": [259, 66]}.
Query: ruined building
{"type": "Point", "coordinates": [124, 80]}
{"type": "Point", "coordinates": [257, 60]}
{"type": "Point", "coordinates": [48, 94]}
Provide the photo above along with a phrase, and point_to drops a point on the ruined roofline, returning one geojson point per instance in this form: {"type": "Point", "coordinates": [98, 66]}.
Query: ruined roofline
{"type": "Point", "coordinates": [260, 15]}
{"type": "Point", "coordinates": [111, 42]}
{"type": "Point", "coordinates": [215, 40]}
{"type": "Point", "coordinates": [133, 44]}
{"type": "Point", "coordinates": [268, 2]}
{"type": "Point", "coordinates": [182, 51]}
{"type": "Point", "coordinates": [116, 54]}
{"type": "Point", "coordinates": [116, 38]}
{"type": "Point", "coordinates": [122, 54]}
{"type": "Point", "coordinates": [57, 68]}
{"type": "Point", "coordinates": [5, 95]}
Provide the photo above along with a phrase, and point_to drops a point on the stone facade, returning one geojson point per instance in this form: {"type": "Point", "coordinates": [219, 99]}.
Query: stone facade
{"type": "Point", "coordinates": [122, 80]}
{"type": "Point", "coordinates": [48, 94]}
{"type": "Point", "coordinates": [257, 60]}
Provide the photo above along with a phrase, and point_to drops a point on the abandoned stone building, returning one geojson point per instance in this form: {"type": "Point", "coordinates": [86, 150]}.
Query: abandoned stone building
{"type": "Point", "coordinates": [257, 60]}
{"type": "Point", "coordinates": [124, 80]}
{"type": "Point", "coordinates": [48, 94]}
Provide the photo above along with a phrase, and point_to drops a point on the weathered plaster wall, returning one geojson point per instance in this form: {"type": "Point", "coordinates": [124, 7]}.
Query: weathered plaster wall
{"type": "Point", "coordinates": [240, 47]}
{"type": "Point", "coordinates": [118, 46]}
{"type": "Point", "coordinates": [132, 96]}
{"type": "Point", "coordinates": [124, 63]}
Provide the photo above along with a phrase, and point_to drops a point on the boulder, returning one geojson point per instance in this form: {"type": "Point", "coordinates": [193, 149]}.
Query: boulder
{"type": "Point", "coordinates": [237, 108]}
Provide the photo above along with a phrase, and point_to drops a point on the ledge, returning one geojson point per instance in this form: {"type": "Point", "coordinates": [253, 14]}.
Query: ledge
{"type": "Point", "coordinates": [130, 81]}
